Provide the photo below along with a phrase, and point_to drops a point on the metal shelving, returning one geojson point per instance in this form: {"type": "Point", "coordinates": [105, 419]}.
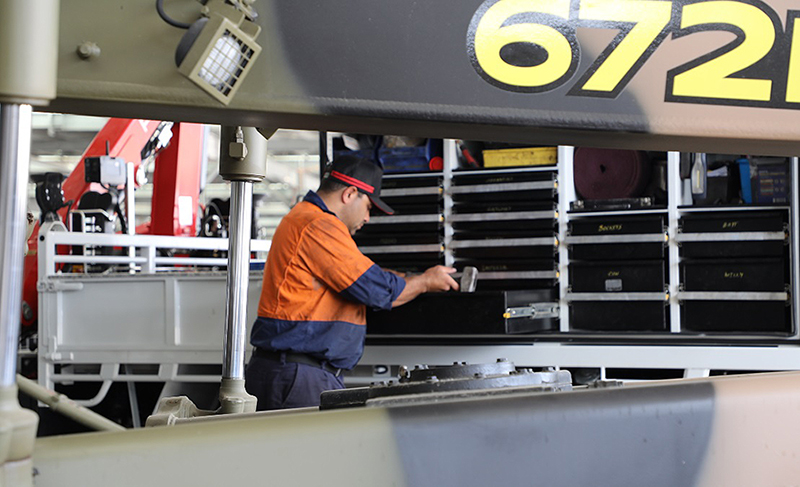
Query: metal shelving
{"type": "Point", "coordinates": [673, 349]}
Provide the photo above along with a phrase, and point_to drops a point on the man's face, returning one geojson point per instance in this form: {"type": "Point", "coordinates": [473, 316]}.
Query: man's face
{"type": "Point", "coordinates": [356, 211]}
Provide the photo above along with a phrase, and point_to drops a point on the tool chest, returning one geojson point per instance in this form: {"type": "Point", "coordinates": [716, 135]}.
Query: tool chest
{"type": "Point", "coordinates": [617, 280]}
{"type": "Point", "coordinates": [411, 239]}
{"type": "Point", "coordinates": [682, 267]}
{"type": "Point", "coordinates": [503, 222]}
{"type": "Point", "coordinates": [734, 273]}
{"type": "Point", "coordinates": [477, 313]}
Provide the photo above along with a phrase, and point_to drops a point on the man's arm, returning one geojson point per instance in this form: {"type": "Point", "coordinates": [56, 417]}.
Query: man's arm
{"type": "Point", "coordinates": [435, 279]}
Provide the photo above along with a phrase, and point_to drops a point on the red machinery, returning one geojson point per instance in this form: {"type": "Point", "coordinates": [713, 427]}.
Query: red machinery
{"type": "Point", "coordinates": [176, 186]}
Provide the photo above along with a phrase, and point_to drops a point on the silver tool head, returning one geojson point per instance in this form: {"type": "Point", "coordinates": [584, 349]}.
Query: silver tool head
{"type": "Point", "coordinates": [469, 279]}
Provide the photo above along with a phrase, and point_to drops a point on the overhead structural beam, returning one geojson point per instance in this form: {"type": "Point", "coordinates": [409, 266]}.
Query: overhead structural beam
{"type": "Point", "coordinates": [625, 74]}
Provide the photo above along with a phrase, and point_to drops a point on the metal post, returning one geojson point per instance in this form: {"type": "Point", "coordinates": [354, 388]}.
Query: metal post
{"type": "Point", "coordinates": [240, 222]}
{"type": "Point", "coordinates": [15, 142]}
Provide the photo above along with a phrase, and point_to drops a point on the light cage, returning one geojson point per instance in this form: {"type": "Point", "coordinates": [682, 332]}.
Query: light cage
{"type": "Point", "coordinates": [220, 58]}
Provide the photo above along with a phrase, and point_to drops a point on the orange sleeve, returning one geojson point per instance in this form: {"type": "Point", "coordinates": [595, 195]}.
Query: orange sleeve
{"type": "Point", "coordinates": [331, 255]}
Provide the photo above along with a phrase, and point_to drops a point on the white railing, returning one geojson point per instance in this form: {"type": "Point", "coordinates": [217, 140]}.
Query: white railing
{"type": "Point", "coordinates": [145, 258]}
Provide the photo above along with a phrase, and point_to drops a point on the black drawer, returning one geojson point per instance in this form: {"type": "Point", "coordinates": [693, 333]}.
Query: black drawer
{"type": "Point", "coordinates": [417, 181]}
{"type": "Point", "coordinates": [716, 250]}
{"type": "Point", "coordinates": [393, 238]}
{"type": "Point", "coordinates": [594, 234]}
{"type": "Point", "coordinates": [408, 206]}
{"type": "Point", "coordinates": [504, 177]}
{"type": "Point", "coordinates": [734, 275]}
{"type": "Point", "coordinates": [454, 313]}
{"type": "Point", "coordinates": [503, 188]}
{"type": "Point", "coordinates": [749, 317]}
{"type": "Point", "coordinates": [522, 247]}
{"type": "Point", "coordinates": [401, 202]}
{"type": "Point", "coordinates": [617, 225]}
{"type": "Point", "coordinates": [399, 228]}
{"type": "Point", "coordinates": [618, 316]}
{"type": "Point", "coordinates": [626, 276]}
{"type": "Point", "coordinates": [507, 274]}
{"type": "Point", "coordinates": [502, 207]}
{"type": "Point", "coordinates": [733, 224]}
{"type": "Point", "coordinates": [509, 227]}
{"type": "Point", "coordinates": [413, 265]}
{"type": "Point", "coordinates": [406, 257]}
{"type": "Point", "coordinates": [596, 252]}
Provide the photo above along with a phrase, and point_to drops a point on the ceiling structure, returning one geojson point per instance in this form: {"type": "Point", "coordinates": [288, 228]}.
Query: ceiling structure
{"type": "Point", "coordinates": [58, 141]}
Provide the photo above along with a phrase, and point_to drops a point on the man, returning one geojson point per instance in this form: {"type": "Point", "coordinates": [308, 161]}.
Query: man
{"type": "Point", "coordinates": [317, 284]}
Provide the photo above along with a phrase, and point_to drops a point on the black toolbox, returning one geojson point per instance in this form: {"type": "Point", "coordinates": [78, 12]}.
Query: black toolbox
{"type": "Point", "coordinates": [747, 317]}
{"type": "Point", "coordinates": [617, 238]}
{"type": "Point", "coordinates": [735, 234]}
{"type": "Point", "coordinates": [456, 313]}
{"type": "Point", "coordinates": [768, 275]}
{"type": "Point", "coordinates": [518, 186]}
{"type": "Point", "coordinates": [532, 245]}
{"type": "Point", "coordinates": [625, 276]}
{"type": "Point", "coordinates": [506, 274]}
{"type": "Point", "coordinates": [618, 316]}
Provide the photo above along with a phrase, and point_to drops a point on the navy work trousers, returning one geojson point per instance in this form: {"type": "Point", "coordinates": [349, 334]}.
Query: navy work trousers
{"type": "Point", "coordinates": [279, 384]}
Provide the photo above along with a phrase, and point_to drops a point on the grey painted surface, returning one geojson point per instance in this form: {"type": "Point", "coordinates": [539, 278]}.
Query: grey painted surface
{"type": "Point", "coordinates": [654, 436]}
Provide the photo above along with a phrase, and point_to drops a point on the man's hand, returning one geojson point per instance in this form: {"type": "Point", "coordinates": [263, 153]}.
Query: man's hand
{"type": "Point", "coordinates": [435, 279]}
{"type": "Point", "coordinates": [438, 279]}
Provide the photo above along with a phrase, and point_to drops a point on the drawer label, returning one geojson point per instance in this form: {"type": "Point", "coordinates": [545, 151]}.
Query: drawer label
{"type": "Point", "coordinates": [609, 228]}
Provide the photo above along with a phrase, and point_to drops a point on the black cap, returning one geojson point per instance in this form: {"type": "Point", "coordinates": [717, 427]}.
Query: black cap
{"type": "Point", "coordinates": [362, 173]}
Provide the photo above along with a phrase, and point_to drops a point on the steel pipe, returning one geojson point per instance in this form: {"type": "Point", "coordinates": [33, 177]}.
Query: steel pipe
{"type": "Point", "coordinates": [15, 147]}
{"type": "Point", "coordinates": [240, 222]}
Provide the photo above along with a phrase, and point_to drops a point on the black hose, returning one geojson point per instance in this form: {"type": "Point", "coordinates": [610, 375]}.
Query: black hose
{"type": "Point", "coordinates": [167, 18]}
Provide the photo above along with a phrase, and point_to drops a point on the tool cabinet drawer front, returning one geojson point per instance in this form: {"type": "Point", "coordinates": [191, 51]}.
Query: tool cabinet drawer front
{"type": "Point", "coordinates": [598, 252]}
{"type": "Point", "coordinates": [752, 234]}
{"type": "Point", "coordinates": [407, 258]}
{"type": "Point", "coordinates": [504, 196]}
{"type": "Point", "coordinates": [398, 203]}
{"type": "Point", "coordinates": [624, 276]}
{"type": "Point", "coordinates": [454, 313]}
{"type": "Point", "coordinates": [428, 225]}
{"type": "Point", "coordinates": [749, 317]}
{"type": "Point", "coordinates": [734, 275]}
{"type": "Point", "coordinates": [467, 178]}
{"type": "Point", "coordinates": [505, 249]}
{"type": "Point", "coordinates": [509, 274]}
{"type": "Point", "coordinates": [409, 207]}
{"type": "Point", "coordinates": [395, 238]}
{"type": "Point", "coordinates": [412, 181]}
{"type": "Point", "coordinates": [717, 250]}
{"type": "Point", "coordinates": [501, 226]}
{"type": "Point", "coordinates": [601, 226]}
{"type": "Point", "coordinates": [468, 207]}
{"type": "Point", "coordinates": [618, 316]}
{"type": "Point", "coordinates": [733, 222]}
{"type": "Point", "coordinates": [416, 264]}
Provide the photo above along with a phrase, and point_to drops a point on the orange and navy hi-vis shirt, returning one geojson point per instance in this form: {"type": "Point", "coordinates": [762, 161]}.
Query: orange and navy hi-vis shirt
{"type": "Point", "coordinates": [316, 287]}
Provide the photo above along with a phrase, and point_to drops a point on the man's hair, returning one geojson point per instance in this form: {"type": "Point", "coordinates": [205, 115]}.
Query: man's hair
{"type": "Point", "coordinates": [329, 185]}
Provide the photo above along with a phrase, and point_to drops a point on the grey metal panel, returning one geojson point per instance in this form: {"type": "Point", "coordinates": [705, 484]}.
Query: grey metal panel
{"type": "Point", "coordinates": [404, 68]}
{"type": "Point", "coordinates": [659, 434]}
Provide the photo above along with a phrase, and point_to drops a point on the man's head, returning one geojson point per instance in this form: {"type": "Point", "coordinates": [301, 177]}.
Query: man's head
{"type": "Point", "coordinates": [351, 188]}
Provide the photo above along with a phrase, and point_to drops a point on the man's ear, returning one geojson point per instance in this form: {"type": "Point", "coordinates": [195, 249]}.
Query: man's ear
{"type": "Point", "coordinates": [349, 194]}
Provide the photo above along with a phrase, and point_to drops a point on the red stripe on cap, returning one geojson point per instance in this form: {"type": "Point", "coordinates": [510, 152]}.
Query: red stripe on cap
{"type": "Point", "coordinates": [353, 181]}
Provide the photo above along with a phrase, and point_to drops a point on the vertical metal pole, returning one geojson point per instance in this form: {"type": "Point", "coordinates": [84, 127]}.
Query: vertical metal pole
{"type": "Point", "coordinates": [240, 221]}
{"type": "Point", "coordinates": [15, 147]}
{"type": "Point", "coordinates": [130, 210]}
{"type": "Point", "coordinates": [674, 200]}
{"type": "Point", "coordinates": [794, 238]}
{"type": "Point", "coordinates": [566, 195]}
